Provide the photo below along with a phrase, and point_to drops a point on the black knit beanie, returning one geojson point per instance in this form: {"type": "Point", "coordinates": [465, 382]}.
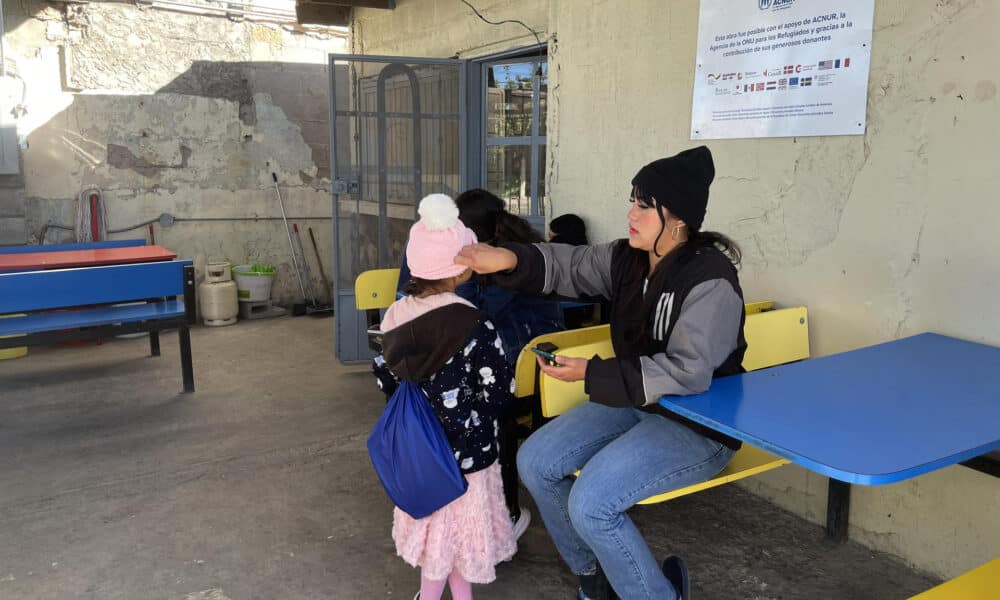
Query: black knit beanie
{"type": "Point", "coordinates": [680, 183]}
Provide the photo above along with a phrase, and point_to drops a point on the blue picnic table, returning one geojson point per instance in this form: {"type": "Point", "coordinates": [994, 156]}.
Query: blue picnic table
{"type": "Point", "coordinates": [871, 416]}
{"type": "Point", "coordinates": [96, 290]}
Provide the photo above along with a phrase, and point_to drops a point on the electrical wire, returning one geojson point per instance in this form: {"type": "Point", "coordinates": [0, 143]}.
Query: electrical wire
{"type": "Point", "coordinates": [47, 226]}
{"type": "Point", "coordinates": [521, 23]}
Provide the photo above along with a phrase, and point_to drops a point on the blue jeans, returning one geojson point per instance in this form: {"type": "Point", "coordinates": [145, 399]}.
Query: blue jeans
{"type": "Point", "coordinates": [626, 455]}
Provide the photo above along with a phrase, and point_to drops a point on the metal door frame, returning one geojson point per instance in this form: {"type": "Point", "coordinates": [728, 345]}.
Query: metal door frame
{"type": "Point", "coordinates": [533, 140]}
{"type": "Point", "coordinates": [403, 64]}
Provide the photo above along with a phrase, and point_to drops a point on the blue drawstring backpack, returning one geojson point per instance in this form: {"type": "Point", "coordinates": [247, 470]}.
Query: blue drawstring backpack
{"type": "Point", "coordinates": [412, 456]}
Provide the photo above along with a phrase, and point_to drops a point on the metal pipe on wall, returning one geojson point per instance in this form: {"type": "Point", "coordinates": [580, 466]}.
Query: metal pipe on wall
{"type": "Point", "coordinates": [3, 36]}
{"type": "Point", "coordinates": [172, 220]}
{"type": "Point", "coordinates": [221, 11]}
{"type": "Point", "coordinates": [168, 220]}
{"type": "Point", "coordinates": [250, 7]}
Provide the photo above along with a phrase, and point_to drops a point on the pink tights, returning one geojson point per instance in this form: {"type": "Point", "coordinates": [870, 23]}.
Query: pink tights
{"type": "Point", "coordinates": [431, 589]}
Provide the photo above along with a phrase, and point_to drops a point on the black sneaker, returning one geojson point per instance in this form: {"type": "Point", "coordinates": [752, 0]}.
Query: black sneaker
{"type": "Point", "coordinates": [595, 587]}
{"type": "Point", "coordinates": [676, 572]}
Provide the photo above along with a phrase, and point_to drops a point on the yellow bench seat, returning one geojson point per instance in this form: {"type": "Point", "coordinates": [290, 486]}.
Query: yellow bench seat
{"type": "Point", "coordinates": [773, 337]}
{"type": "Point", "coordinates": [981, 583]}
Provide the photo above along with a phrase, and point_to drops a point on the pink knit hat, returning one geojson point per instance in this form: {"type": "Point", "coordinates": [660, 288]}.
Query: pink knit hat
{"type": "Point", "coordinates": [436, 239]}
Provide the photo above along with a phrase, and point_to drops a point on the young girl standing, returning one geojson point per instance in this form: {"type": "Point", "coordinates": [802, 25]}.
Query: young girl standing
{"type": "Point", "coordinates": [442, 342]}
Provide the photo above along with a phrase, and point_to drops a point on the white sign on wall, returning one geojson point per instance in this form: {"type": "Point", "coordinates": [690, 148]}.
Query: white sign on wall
{"type": "Point", "coordinates": [778, 68]}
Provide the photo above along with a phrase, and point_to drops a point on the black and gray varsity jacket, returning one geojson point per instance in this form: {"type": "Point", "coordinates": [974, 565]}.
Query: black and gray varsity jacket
{"type": "Point", "coordinates": [671, 334]}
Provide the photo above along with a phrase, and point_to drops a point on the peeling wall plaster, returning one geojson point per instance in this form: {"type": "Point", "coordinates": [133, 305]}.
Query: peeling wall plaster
{"type": "Point", "coordinates": [178, 113]}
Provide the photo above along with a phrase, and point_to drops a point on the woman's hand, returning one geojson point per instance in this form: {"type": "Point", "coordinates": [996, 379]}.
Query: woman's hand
{"type": "Point", "coordinates": [567, 368]}
{"type": "Point", "coordinates": [483, 258]}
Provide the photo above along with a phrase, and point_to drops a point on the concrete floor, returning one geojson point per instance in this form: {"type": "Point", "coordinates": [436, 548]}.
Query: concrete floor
{"type": "Point", "coordinates": [258, 486]}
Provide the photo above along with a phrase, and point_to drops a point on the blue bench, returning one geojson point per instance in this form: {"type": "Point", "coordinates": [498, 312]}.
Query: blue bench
{"type": "Point", "coordinates": [90, 292]}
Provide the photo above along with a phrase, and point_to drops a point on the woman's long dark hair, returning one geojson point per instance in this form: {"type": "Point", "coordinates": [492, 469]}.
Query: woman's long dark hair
{"type": "Point", "coordinates": [486, 215]}
{"type": "Point", "coordinates": [640, 265]}
{"type": "Point", "coordinates": [722, 242]}
{"type": "Point", "coordinates": [696, 238]}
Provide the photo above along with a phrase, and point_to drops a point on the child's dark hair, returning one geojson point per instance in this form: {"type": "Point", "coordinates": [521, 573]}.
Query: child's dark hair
{"type": "Point", "coordinates": [486, 215]}
{"type": "Point", "coordinates": [568, 229]}
{"type": "Point", "coordinates": [417, 286]}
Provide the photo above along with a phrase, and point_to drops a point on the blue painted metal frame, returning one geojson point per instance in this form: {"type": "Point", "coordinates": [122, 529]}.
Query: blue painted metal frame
{"type": "Point", "coordinates": [152, 327]}
{"type": "Point", "coordinates": [65, 247]}
{"type": "Point", "coordinates": [351, 337]}
{"type": "Point", "coordinates": [93, 317]}
{"type": "Point", "coordinates": [872, 416]}
{"type": "Point", "coordinates": [154, 283]}
{"type": "Point", "coordinates": [64, 288]}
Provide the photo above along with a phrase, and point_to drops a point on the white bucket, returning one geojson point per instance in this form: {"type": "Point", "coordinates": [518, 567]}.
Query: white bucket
{"type": "Point", "coordinates": [252, 286]}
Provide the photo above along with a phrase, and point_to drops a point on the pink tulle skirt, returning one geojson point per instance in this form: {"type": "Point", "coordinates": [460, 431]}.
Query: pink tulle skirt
{"type": "Point", "coordinates": [471, 535]}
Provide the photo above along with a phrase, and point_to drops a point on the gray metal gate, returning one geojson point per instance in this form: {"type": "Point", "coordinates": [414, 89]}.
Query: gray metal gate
{"type": "Point", "coordinates": [397, 134]}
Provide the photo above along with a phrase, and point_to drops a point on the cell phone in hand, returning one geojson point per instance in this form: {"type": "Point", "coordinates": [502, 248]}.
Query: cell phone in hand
{"type": "Point", "coordinates": [546, 350]}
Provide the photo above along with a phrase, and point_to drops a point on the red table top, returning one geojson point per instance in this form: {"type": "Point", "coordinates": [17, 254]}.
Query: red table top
{"type": "Point", "coordinates": [33, 261]}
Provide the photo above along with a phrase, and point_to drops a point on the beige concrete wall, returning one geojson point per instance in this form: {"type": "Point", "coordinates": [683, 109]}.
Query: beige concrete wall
{"type": "Point", "coordinates": [173, 113]}
{"type": "Point", "coordinates": [882, 235]}
{"type": "Point", "coordinates": [446, 28]}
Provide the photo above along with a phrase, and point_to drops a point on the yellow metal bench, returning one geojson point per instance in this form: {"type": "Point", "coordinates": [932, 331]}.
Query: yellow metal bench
{"type": "Point", "coordinates": [373, 291]}
{"type": "Point", "coordinates": [753, 308]}
{"type": "Point", "coordinates": [981, 583]}
{"type": "Point", "coordinates": [526, 370]}
{"type": "Point", "coordinates": [773, 337]}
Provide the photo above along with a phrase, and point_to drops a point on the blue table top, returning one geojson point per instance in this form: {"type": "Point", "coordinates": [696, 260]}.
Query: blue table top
{"type": "Point", "coordinates": [871, 416]}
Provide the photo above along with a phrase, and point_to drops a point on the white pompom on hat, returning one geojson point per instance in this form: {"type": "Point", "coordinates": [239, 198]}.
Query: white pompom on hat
{"type": "Point", "coordinates": [436, 239]}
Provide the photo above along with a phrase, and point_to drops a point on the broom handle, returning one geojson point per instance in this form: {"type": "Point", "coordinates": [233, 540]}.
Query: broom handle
{"type": "Point", "coordinates": [305, 264]}
{"type": "Point", "coordinates": [319, 261]}
{"type": "Point", "coordinates": [288, 232]}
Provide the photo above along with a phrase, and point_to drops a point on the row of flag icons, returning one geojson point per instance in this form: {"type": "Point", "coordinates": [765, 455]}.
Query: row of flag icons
{"type": "Point", "coordinates": [778, 84]}
{"type": "Point", "coordinates": [834, 63]}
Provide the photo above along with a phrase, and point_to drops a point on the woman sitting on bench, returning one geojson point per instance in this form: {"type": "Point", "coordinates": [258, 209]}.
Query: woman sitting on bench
{"type": "Point", "coordinates": [676, 322]}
